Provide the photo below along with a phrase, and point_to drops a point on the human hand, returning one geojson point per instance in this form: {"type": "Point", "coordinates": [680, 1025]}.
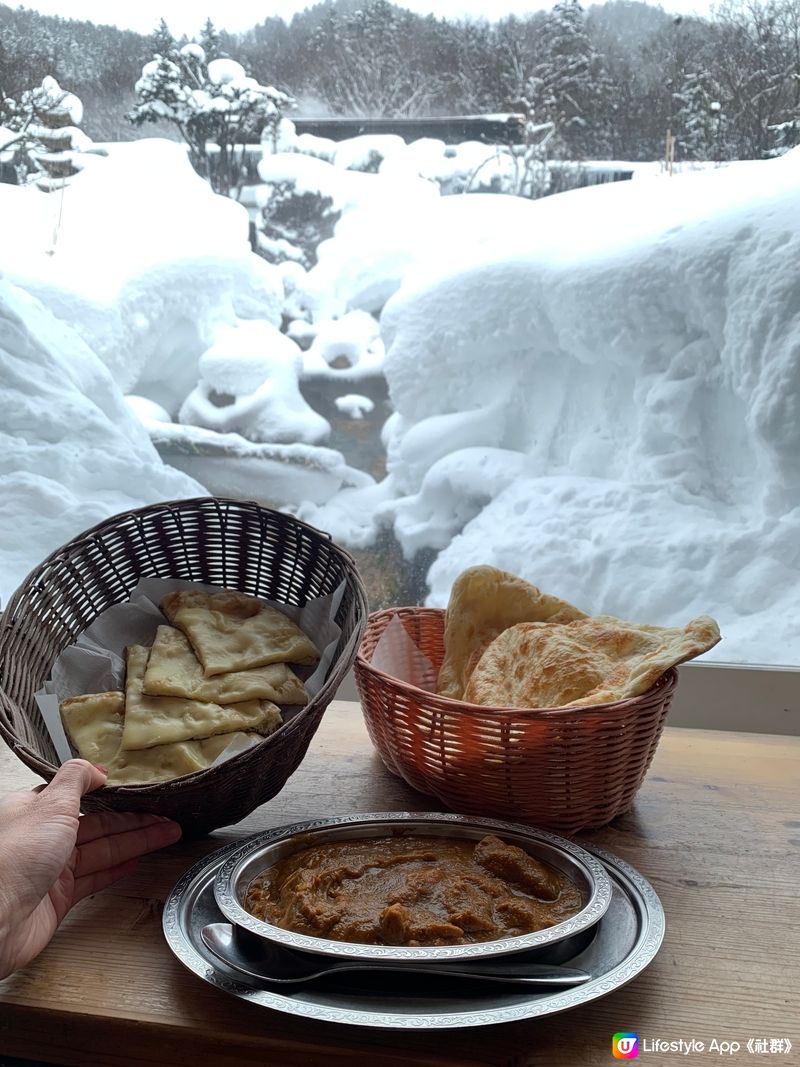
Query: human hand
{"type": "Point", "coordinates": [51, 857]}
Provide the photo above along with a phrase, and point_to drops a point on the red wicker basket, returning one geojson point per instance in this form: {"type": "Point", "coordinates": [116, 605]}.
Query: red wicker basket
{"type": "Point", "coordinates": [566, 769]}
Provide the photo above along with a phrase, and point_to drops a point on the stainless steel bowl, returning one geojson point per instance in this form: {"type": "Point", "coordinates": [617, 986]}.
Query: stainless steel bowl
{"type": "Point", "coordinates": [264, 850]}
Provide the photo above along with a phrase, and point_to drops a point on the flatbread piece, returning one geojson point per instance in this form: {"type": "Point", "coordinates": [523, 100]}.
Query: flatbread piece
{"type": "Point", "coordinates": [174, 670]}
{"type": "Point", "coordinates": [485, 601]}
{"type": "Point", "coordinates": [157, 720]}
{"type": "Point", "coordinates": [234, 632]}
{"type": "Point", "coordinates": [589, 661]}
{"type": "Point", "coordinates": [94, 724]}
{"type": "Point", "coordinates": [162, 763]}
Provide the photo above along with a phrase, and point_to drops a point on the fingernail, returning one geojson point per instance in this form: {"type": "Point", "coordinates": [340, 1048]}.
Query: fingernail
{"type": "Point", "coordinates": [101, 768]}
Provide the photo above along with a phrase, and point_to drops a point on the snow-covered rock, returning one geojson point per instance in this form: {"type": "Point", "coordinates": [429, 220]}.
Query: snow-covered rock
{"type": "Point", "coordinates": [288, 476]}
{"type": "Point", "coordinates": [349, 347]}
{"type": "Point", "coordinates": [71, 452]}
{"type": "Point", "coordinates": [368, 152]}
{"type": "Point", "coordinates": [249, 385]}
{"type": "Point", "coordinates": [354, 405]}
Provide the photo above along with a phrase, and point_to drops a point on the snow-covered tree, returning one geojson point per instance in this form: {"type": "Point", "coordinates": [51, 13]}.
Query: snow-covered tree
{"type": "Point", "coordinates": [362, 63]}
{"type": "Point", "coordinates": [41, 134]}
{"type": "Point", "coordinates": [569, 87]}
{"type": "Point", "coordinates": [161, 41]}
{"type": "Point", "coordinates": [210, 41]}
{"type": "Point", "coordinates": [699, 118]}
{"type": "Point", "coordinates": [215, 106]}
{"type": "Point", "coordinates": [56, 115]}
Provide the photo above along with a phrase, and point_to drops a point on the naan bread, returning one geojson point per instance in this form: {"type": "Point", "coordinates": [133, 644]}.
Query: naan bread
{"type": "Point", "coordinates": [589, 661]}
{"type": "Point", "coordinates": [483, 603]}
{"type": "Point", "coordinates": [94, 724]}
{"type": "Point", "coordinates": [234, 632]}
{"type": "Point", "coordinates": [164, 762]}
{"type": "Point", "coordinates": [174, 670]}
{"type": "Point", "coordinates": [153, 721]}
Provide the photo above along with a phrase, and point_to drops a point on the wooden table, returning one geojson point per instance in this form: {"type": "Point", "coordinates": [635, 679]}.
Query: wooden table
{"type": "Point", "coordinates": [716, 829]}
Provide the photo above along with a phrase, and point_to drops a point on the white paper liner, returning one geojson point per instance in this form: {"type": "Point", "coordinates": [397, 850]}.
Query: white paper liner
{"type": "Point", "coordinates": [397, 655]}
{"type": "Point", "coordinates": [96, 662]}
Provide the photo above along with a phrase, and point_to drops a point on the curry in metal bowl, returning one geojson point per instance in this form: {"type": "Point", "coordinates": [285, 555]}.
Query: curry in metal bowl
{"type": "Point", "coordinates": [412, 887]}
{"type": "Point", "coordinates": [413, 890]}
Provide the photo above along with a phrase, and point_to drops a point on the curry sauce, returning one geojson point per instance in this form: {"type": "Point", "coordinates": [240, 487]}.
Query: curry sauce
{"type": "Point", "coordinates": [413, 890]}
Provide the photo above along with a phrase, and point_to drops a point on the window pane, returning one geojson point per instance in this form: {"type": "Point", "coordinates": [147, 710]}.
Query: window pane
{"type": "Point", "coordinates": [519, 291]}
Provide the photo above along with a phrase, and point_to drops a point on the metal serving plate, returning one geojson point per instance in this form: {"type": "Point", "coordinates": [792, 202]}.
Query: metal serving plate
{"type": "Point", "coordinates": [626, 940]}
{"type": "Point", "coordinates": [259, 852]}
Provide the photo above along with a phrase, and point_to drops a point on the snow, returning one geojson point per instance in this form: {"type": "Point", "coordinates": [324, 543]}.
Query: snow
{"type": "Point", "coordinates": [368, 151]}
{"type": "Point", "coordinates": [349, 347]}
{"type": "Point", "coordinates": [226, 72]}
{"type": "Point", "coordinates": [249, 385]}
{"type": "Point", "coordinates": [146, 410]}
{"type": "Point", "coordinates": [289, 476]}
{"type": "Point", "coordinates": [354, 405]}
{"type": "Point", "coordinates": [598, 391]}
{"type": "Point", "coordinates": [52, 97]}
{"type": "Point", "coordinates": [356, 268]}
{"type": "Point", "coordinates": [611, 416]}
{"type": "Point", "coordinates": [186, 269]}
{"type": "Point", "coordinates": [383, 242]}
{"type": "Point", "coordinates": [71, 453]}
{"type": "Point", "coordinates": [311, 145]}
{"type": "Point", "coordinates": [191, 50]}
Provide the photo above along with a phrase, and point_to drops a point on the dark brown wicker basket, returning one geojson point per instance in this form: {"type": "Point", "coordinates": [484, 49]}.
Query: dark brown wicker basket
{"type": "Point", "coordinates": [231, 543]}
{"type": "Point", "coordinates": [566, 769]}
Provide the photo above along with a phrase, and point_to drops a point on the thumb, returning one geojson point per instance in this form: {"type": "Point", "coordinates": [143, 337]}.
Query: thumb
{"type": "Point", "coordinates": [71, 781]}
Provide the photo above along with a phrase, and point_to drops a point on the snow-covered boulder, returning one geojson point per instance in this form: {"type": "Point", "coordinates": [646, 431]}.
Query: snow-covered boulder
{"type": "Point", "coordinates": [288, 476]}
{"type": "Point", "coordinates": [71, 452]}
{"type": "Point", "coordinates": [368, 152]}
{"type": "Point", "coordinates": [349, 347]}
{"type": "Point", "coordinates": [249, 385]}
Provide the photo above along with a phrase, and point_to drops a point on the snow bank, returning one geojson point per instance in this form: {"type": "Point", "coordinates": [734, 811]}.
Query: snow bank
{"type": "Point", "coordinates": [71, 453]}
{"type": "Point", "coordinates": [612, 415]}
{"type": "Point", "coordinates": [381, 244]}
{"type": "Point", "coordinates": [146, 265]}
{"type": "Point", "coordinates": [363, 263]}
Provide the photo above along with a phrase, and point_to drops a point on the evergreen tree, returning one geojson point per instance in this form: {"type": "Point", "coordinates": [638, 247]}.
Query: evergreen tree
{"type": "Point", "coordinates": [699, 118]}
{"type": "Point", "coordinates": [210, 41]}
{"type": "Point", "coordinates": [162, 42]}
{"type": "Point", "coordinates": [569, 86]}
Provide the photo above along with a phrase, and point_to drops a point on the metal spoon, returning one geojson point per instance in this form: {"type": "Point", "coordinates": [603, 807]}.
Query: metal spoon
{"type": "Point", "coordinates": [220, 939]}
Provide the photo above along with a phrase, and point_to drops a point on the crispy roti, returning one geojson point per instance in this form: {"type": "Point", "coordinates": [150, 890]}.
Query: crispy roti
{"type": "Point", "coordinates": [234, 632]}
{"type": "Point", "coordinates": [589, 661]}
{"type": "Point", "coordinates": [154, 720]}
{"type": "Point", "coordinates": [485, 601]}
{"type": "Point", "coordinates": [174, 670]}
